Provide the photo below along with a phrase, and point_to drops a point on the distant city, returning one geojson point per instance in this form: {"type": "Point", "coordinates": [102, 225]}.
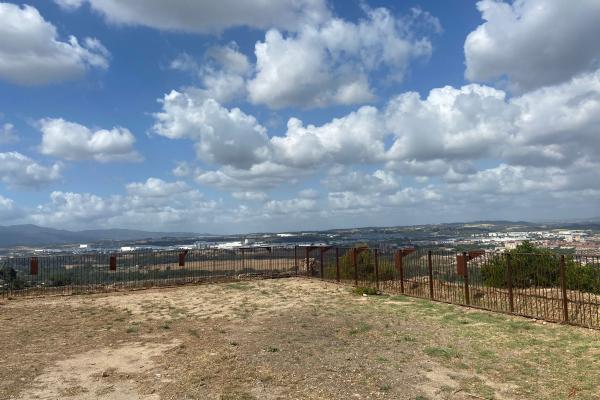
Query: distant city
{"type": "Point", "coordinates": [582, 238]}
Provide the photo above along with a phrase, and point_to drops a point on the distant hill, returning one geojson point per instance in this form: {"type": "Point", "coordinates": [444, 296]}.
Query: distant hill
{"type": "Point", "coordinates": [33, 235]}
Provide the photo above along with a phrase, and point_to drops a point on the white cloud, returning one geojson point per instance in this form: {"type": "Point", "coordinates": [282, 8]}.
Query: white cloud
{"type": "Point", "coordinates": [183, 169]}
{"type": "Point", "coordinates": [465, 123]}
{"type": "Point", "coordinates": [308, 194]}
{"type": "Point", "coordinates": [155, 187]}
{"type": "Point", "coordinates": [261, 176]}
{"type": "Point", "coordinates": [152, 204]}
{"type": "Point", "coordinates": [250, 196]}
{"type": "Point", "coordinates": [290, 206]}
{"type": "Point", "coordinates": [72, 141]}
{"type": "Point", "coordinates": [223, 72]}
{"type": "Point", "coordinates": [223, 136]}
{"type": "Point", "coordinates": [31, 52]}
{"type": "Point", "coordinates": [344, 180]}
{"type": "Point", "coordinates": [20, 171]}
{"type": "Point", "coordinates": [8, 134]}
{"type": "Point", "coordinates": [534, 42]}
{"type": "Point", "coordinates": [8, 209]}
{"type": "Point", "coordinates": [328, 64]}
{"type": "Point", "coordinates": [204, 16]}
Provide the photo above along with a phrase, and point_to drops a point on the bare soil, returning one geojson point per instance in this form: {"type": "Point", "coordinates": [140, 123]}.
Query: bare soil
{"type": "Point", "coordinates": [284, 339]}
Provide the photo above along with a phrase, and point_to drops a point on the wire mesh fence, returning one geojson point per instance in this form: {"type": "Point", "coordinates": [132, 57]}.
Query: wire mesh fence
{"type": "Point", "coordinates": [83, 273]}
{"type": "Point", "coordinates": [543, 286]}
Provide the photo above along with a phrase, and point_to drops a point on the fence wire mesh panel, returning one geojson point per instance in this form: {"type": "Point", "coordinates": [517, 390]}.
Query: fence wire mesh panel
{"type": "Point", "coordinates": [544, 286]}
{"type": "Point", "coordinates": [82, 273]}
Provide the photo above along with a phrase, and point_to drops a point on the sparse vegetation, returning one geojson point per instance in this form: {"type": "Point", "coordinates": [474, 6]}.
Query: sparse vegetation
{"type": "Point", "coordinates": [336, 346]}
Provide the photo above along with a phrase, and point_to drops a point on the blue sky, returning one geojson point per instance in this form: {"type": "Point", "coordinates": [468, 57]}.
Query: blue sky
{"type": "Point", "coordinates": [291, 115]}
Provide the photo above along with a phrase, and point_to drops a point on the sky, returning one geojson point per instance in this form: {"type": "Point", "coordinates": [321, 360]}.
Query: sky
{"type": "Point", "coordinates": [287, 115]}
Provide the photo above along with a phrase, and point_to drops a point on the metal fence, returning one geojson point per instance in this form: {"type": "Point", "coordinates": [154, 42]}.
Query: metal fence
{"type": "Point", "coordinates": [548, 287]}
{"type": "Point", "coordinates": [542, 286]}
{"type": "Point", "coordinates": [84, 273]}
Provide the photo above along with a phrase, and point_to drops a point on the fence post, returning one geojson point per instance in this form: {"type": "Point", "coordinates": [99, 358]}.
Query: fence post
{"type": "Point", "coordinates": [296, 258]}
{"type": "Point", "coordinates": [509, 280]}
{"type": "Point", "coordinates": [337, 264]}
{"type": "Point", "coordinates": [307, 261]}
{"type": "Point", "coordinates": [466, 276]}
{"type": "Point", "coordinates": [376, 269]}
{"type": "Point", "coordinates": [563, 287]}
{"type": "Point", "coordinates": [430, 270]}
{"type": "Point", "coordinates": [400, 267]}
{"type": "Point", "coordinates": [355, 262]}
{"type": "Point", "coordinates": [321, 262]}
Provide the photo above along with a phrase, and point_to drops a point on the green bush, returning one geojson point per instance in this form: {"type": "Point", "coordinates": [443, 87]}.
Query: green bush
{"type": "Point", "coordinates": [534, 266]}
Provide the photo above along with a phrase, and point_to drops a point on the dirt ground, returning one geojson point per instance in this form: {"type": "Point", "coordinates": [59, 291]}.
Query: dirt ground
{"type": "Point", "coordinates": [284, 339]}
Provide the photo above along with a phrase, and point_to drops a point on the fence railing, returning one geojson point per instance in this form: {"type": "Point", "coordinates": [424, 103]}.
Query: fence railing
{"type": "Point", "coordinates": [84, 273]}
{"type": "Point", "coordinates": [542, 286]}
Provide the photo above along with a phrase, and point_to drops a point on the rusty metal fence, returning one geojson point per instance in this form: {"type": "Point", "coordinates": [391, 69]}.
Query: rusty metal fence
{"type": "Point", "coordinates": [542, 286]}
{"type": "Point", "coordinates": [85, 273]}
{"type": "Point", "coordinates": [548, 287]}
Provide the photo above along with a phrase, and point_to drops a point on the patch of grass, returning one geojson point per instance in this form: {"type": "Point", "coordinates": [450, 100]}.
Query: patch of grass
{"type": "Point", "coordinates": [194, 333]}
{"type": "Point", "coordinates": [133, 329]}
{"type": "Point", "coordinates": [404, 299]}
{"type": "Point", "coordinates": [272, 349]}
{"type": "Point", "coordinates": [446, 353]}
{"type": "Point", "coordinates": [361, 328]}
{"type": "Point", "coordinates": [385, 387]}
{"type": "Point", "coordinates": [365, 290]}
{"type": "Point", "coordinates": [165, 326]}
{"type": "Point", "coordinates": [239, 286]}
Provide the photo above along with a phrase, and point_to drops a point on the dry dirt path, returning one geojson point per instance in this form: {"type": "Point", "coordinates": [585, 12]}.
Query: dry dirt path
{"type": "Point", "coordinates": [284, 339]}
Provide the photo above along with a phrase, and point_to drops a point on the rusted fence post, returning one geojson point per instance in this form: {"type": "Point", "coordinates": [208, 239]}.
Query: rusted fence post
{"type": "Point", "coordinates": [430, 270]}
{"type": "Point", "coordinates": [376, 268]}
{"type": "Point", "coordinates": [307, 261]}
{"type": "Point", "coordinates": [400, 268]}
{"type": "Point", "coordinates": [337, 264]}
{"type": "Point", "coordinates": [112, 263]}
{"type": "Point", "coordinates": [563, 288]}
{"type": "Point", "coordinates": [509, 280]}
{"type": "Point", "coordinates": [321, 262]}
{"type": "Point", "coordinates": [355, 262]}
{"type": "Point", "coordinates": [296, 259]}
{"type": "Point", "coordinates": [33, 268]}
{"type": "Point", "coordinates": [466, 276]}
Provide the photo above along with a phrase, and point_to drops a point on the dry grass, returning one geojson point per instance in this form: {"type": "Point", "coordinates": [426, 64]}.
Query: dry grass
{"type": "Point", "coordinates": [281, 339]}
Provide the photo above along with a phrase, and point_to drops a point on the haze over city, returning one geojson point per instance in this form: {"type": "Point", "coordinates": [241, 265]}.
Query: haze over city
{"type": "Point", "coordinates": [238, 117]}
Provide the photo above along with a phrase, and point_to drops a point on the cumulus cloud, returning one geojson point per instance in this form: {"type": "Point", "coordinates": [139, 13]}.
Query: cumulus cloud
{"type": "Point", "coordinates": [250, 196]}
{"type": "Point", "coordinates": [150, 204]}
{"type": "Point", "coordinates": [8, 210]}
{"type": "Point", "coordinates": [329, 63]}
{"type": "Point", "coordinates": [223, 136]}
{"type": "Point", "coordinates": [202, 16]}
{"type": "Point", "coordinates": [261, 176]}
{"type": "Point", "coordinates": [31, 52]}
{"type": "Point", "coordinates": [20, 171]}
{"type": "Point", "coordinates": [155, 187]}
{"type": "Point", "coordinates": [8, 134]}
{"type": "Point", "coordinates": [223, 71]}
{"type": "Point", "coordinates": [534, 43]}
{"type": "Point", "coordinates": [73, 141]}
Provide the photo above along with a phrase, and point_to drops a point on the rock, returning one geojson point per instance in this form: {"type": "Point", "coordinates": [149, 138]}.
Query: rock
{"type": "Point", "coordinates": [105, 374]}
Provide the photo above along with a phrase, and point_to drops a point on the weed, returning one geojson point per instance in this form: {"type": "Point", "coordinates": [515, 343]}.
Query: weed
{"type": "Point", "coordinates": [446, 353]}
{"type": "Point", "coordinates": [365, 290]}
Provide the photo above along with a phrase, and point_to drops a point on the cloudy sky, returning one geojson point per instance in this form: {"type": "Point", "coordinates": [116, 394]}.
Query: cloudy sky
{"type": "Point", "coordinates": [274, 115]}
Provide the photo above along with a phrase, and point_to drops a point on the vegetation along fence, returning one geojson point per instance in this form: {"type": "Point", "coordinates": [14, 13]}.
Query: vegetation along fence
{"type": "Point", "coordinates": [526, 281]}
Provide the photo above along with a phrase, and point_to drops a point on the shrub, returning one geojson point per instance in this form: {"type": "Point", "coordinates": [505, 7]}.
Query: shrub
{"type": "Point", "coordinates": [534, 266]}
